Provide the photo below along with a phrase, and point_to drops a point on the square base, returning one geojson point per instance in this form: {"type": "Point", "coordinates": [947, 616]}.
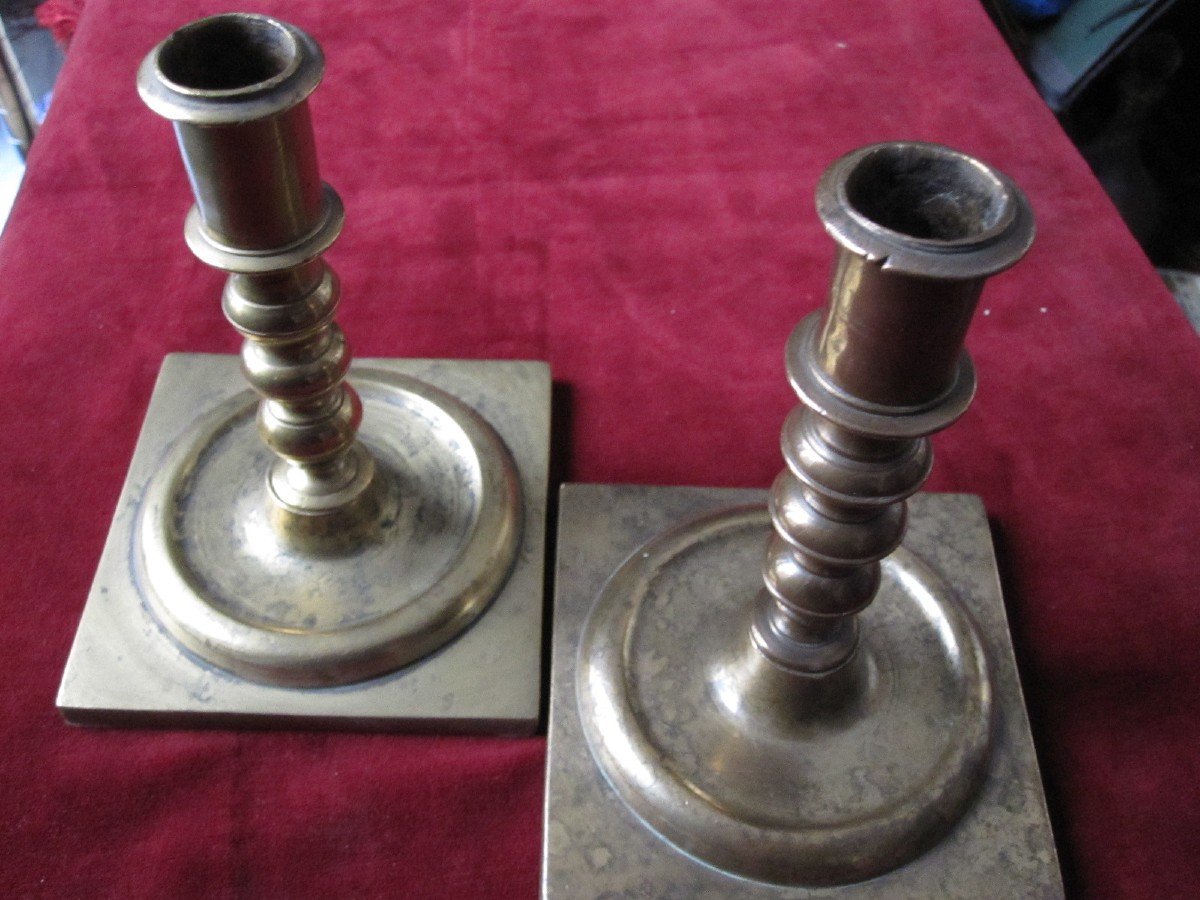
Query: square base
{"type": "Point", "coordinates": [595, 846]}
{"type": "Point", "coordinates": [125, 670]}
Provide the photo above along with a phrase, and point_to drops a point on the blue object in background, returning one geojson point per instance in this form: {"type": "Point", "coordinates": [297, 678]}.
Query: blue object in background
{"type": "Point", "coordinates": [12, 167]}
{"type": "Point", "coordinates": [1037, 10]}
{"type": "Point", "coordinates": [39, 59]}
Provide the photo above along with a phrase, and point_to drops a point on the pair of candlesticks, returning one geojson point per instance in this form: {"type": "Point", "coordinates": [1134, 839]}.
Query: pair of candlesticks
{"type": "Point", "coordinates": [781, 697]}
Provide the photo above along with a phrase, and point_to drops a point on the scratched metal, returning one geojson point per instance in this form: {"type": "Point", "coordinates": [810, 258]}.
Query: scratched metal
{"type": "Point", "coordinates": [125, 669]}
{"type": "Point", "coordinates": [596, 846]}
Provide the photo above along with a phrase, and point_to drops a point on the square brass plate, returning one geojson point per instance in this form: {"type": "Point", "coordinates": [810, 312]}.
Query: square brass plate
{"type": "Point", "coordinates": [125, 670]}
{"type": "Point", "coordinates": [595, 847]}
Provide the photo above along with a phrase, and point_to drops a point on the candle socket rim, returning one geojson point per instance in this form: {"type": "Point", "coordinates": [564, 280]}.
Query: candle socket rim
{"type": "Point", "coordinates": [994, 248]}
{"type": "Point", "coordinates": [184, 105]}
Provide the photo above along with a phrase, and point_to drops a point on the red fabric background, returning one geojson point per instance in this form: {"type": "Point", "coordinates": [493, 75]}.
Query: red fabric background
{"type": "Point", "coordinates": [626, 191]}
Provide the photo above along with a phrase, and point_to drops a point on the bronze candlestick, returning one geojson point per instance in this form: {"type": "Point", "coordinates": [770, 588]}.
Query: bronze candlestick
{"type": "Point", "coordinates": [829, 717]}
{"type": "Point", "coordinates": [273, 540]}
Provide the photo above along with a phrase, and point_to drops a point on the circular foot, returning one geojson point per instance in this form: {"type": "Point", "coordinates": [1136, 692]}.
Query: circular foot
{"type": "Point", "coordinates": [331, 599]}
{"type": "Point", "coordinates": [760, 772]}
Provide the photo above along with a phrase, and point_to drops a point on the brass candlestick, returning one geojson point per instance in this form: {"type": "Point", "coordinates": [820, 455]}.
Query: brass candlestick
{"type": "Point", "coordinates": [301, 554]}
{"type": "Point", "coordinates": [827, 717]}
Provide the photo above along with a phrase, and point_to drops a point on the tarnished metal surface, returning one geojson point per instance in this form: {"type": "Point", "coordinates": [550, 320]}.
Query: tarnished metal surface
{"type": "Point", "coordinates": [236, 89]}
{"type": "Point", "coordinates": [693, 733]}
{"type": "Point", "coordinates": [355, 600]}
{"type": "Point", "coordinates": [596, 846]}
{"type": "Point", "coordinates": [821, 714]}
{"type": "Point", "coordinates": [124, 669]}
{"type": "Point", "coordinates": [271, 539]}
{"type": "Point", "coordinates": [918, 229]}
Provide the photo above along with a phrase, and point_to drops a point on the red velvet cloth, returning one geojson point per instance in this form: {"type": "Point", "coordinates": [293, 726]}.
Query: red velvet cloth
{"type": "Point", "coordinates": [624, 189]}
